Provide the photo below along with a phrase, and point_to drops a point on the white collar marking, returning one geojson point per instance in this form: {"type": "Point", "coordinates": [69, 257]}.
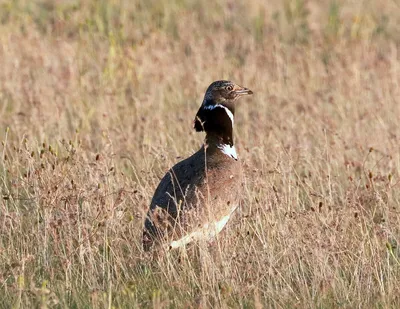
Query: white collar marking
{"type": "Point", "coordinates": [207, 232]}
{"type": "Point", "coordinates": [228, 150]}
{"type": "Point", "coordinates": [211, 107]}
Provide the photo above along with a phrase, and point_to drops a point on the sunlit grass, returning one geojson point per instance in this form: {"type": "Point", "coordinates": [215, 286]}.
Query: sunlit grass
{"type": "Point", "coordinates": [97, 100]}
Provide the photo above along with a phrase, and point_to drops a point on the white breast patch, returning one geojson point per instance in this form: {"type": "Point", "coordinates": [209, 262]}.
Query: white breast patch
{"type": "Point", "coordinates": [228, 150]}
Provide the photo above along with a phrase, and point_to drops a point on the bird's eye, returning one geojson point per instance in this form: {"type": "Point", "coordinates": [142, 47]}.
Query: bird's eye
{"type": "Point", "coordinates": [229, 88]}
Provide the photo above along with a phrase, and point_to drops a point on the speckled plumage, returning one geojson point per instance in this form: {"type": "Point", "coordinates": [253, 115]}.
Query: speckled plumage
{"type": "Point", "coordinates": [195, 199]}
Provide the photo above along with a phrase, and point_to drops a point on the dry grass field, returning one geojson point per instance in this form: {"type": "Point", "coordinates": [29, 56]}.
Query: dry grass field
{"type": "Point", "coordinates": [97, 101]}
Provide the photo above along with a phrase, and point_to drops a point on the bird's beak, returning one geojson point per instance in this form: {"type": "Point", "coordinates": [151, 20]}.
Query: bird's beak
{"type": "Point", "coordinates": [243, 91]}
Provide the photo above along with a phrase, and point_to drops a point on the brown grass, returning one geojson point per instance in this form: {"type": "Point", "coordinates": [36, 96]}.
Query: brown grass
{"type": "Point", "coordinates": [97, 100]}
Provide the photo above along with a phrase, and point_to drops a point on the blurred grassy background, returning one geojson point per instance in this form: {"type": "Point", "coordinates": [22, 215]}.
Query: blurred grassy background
{"type": "Point", "coordinates": [97, 100]}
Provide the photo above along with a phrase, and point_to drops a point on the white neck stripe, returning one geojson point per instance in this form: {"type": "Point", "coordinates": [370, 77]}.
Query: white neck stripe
{"type": "Point", "coordinates": [230, 114]}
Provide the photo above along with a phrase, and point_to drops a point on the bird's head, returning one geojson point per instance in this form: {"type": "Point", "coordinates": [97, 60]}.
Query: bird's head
{"type": "Point", "coordinates": [224, 92]}
{"type": "Point", "coordinates": [219, 102]}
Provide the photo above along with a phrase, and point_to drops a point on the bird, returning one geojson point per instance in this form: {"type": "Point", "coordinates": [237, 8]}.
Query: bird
{"type": "Point", "coordinates": [197, 196]}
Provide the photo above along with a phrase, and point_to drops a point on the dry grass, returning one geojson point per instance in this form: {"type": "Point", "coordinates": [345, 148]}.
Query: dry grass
{"type": "Point", "coordinates": [97, 100]}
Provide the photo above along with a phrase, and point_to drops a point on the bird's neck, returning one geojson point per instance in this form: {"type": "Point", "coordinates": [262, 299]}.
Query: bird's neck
{"type": "Point", "coordinates": [218, 125]}
{"type": "Point", "coordinates": [217, 121]}
{"type": "Point", "coordinates": [213, 138]}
